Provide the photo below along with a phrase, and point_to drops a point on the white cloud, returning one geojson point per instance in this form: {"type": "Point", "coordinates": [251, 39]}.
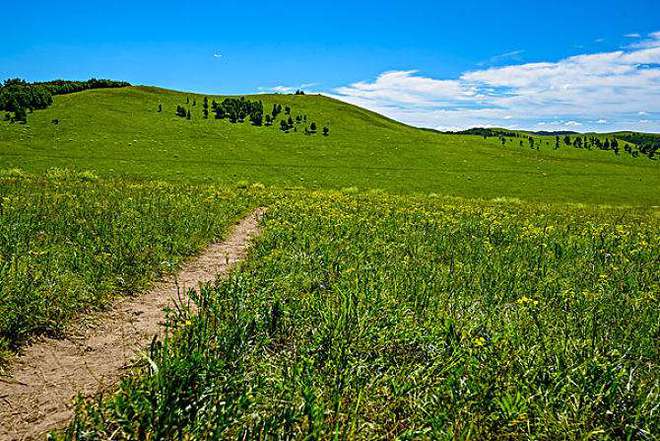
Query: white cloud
{"type": "Point", "coordinates": [633, 35]}
{"type": "Point", "coordinates": [287, 89]}
{"type": "Point", "coordinates": [642, 113]}
{"type": "Point", "coordinates": [613, 85]}
{"type": "Point", "coordinates": [217, 55]}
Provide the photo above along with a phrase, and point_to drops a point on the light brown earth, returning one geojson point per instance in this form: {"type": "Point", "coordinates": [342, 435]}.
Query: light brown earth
{"type": "Point", "coordinates": [45, 379]}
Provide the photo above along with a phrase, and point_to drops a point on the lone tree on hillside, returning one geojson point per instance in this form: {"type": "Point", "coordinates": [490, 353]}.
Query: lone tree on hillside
{"type": "Point", "coordinates": [188, 115]}
{"type": "Point", "coordinates": [312, 127]}
{"type": "Point", "coordinates": [160, 108]}
{"type": "Point", "coordinates": [326, 131]}
{"type": "Point", "coordinates": [205, 108]}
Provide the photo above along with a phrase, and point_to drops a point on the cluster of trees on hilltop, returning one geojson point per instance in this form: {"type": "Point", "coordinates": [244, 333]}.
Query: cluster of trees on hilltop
{"type": "Point", "coordinates": [238, 110]}
{"type": "Point", "coordinates": [62, 87]}
{"type": "Point", "coordinates": [19, 96]}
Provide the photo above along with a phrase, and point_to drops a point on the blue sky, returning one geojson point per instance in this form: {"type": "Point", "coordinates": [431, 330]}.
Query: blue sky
{"type": "Point", "coordinates": [586, 65]}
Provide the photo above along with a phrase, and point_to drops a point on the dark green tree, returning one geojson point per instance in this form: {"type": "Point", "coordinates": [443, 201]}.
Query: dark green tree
{"type": "Point", "coordinates": [257, 118]}
{"type": "Point", "coordinates": [615, 146]}
{"type": "Point", "coordinates": [20, 115]}
{"type": "Point", "coordinates": [205, 108]}
{"type": "Point", "coordinates": [312, 127]}
{"type": "Point", "coordinates": [326, 131]}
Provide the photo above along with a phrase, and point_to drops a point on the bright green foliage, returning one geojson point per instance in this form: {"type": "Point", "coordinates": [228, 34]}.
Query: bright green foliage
{"type": "Point", "coordinates": [380, 317]}
{"type": "Point", "coordinates": [119, 132]}
{"type": "Point", "coordinates": [70, 243]}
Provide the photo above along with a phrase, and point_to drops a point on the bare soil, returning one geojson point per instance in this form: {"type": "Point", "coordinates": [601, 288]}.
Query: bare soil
{"type": "Point", "coordinates": [45, 379]}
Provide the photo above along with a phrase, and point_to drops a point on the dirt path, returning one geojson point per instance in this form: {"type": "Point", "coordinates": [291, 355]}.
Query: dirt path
{"type": "Point", "coordinates": [38, 397]}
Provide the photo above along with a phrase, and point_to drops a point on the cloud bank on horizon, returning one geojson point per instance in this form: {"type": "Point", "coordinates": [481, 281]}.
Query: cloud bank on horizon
{"type": "Point", "coordinates": [606, 91]}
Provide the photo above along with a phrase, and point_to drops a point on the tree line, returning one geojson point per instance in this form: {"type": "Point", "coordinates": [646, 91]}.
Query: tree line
{"type": "Point", "coordinates": [647, 144]}
{"type": "Point", "coordinates": [19, 96]}
{"type": "Point", "coordinates": [239, 110]}
{"type": "Point", "coordinates": [644, 143]}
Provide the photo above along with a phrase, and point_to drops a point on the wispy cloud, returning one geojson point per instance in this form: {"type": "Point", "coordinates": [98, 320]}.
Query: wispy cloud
{"type": "Point", "coordinates": [605, 86]}
{"type": "Point", "coordinates": [501, 58]}
{"type": "Point", "coordinates": [633, 35]}
{"type": "Point", "coordinates": [217, 55]}
{"type": "Point", "coordinates": [653, 40]}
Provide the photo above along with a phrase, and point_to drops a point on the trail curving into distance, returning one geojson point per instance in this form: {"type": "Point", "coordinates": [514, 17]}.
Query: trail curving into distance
{"type": "Point", "coordinates": [38, 396]}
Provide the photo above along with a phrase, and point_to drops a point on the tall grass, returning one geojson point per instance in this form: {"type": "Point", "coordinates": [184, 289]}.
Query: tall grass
{"type": "Point", "coordinates": [70, 242]}
{"type": "Point", "coordinates": [371, 317]}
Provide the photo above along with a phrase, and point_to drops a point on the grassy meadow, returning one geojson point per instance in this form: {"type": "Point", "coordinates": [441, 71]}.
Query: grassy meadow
{"type": "Point", "coordinates": [383, 317]}
{"type": "Point", "coordinates": [119, 132]}
{"type": "Point", "coordinates": [70, 243]}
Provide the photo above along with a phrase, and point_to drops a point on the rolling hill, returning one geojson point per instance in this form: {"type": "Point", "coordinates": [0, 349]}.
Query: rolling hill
{"type": "Point", "coordinates": [121, 132]}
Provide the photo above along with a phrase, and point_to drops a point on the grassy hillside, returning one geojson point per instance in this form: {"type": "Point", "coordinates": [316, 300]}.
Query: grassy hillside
{"type": "Point", "coordinates": [120, 132]}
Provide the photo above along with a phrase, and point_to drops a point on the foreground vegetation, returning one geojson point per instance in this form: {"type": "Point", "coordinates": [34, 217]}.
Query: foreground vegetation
{"type": "Point", "coordinates": [121, 132]}
{"type": "Point", "coordinates": [373, 316]}
{"type": "Point", "coordinates": [70, 243]}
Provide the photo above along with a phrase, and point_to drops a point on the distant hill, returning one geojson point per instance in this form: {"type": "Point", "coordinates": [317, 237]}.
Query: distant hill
{"type": "Point", "coordinates": [135, 131]}
{"type": "Point", "coordinates": [555, 133]}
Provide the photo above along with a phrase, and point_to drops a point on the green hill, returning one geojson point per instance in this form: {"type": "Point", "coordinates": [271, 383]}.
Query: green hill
{"type": "Point", "coordinates": [121, 132]}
